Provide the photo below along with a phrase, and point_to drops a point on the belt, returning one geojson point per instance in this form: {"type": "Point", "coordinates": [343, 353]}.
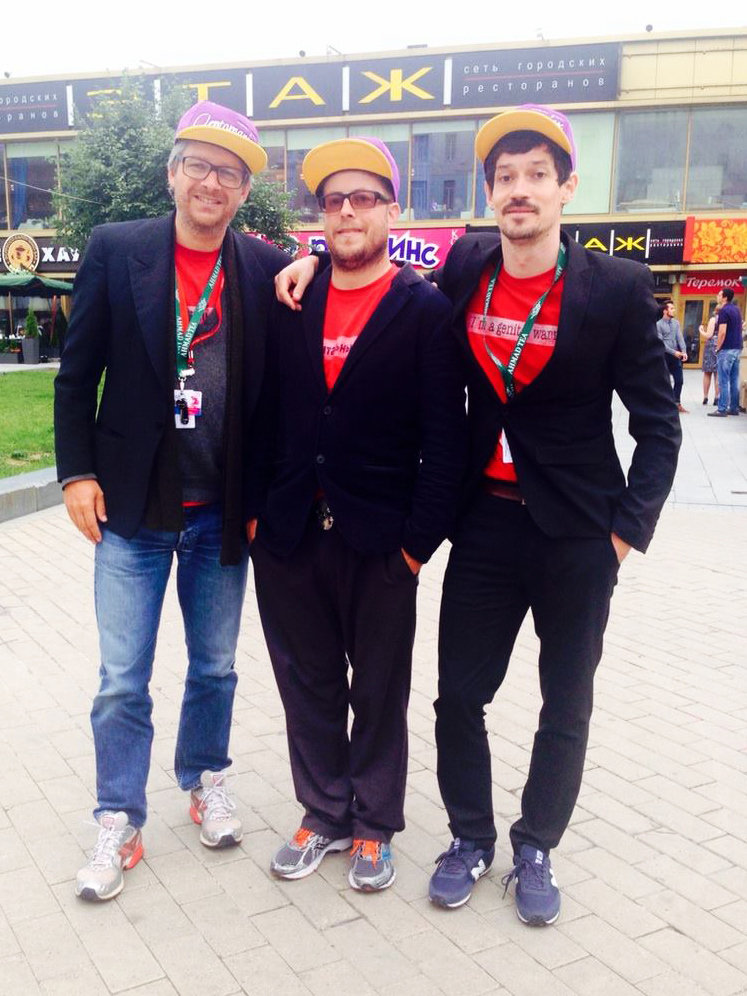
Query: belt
{"type": "Point", "coordinates": [502, 489]}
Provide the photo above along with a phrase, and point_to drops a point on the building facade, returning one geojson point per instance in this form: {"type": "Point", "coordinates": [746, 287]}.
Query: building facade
{"type": "Point", "coordinates": [660, 123]}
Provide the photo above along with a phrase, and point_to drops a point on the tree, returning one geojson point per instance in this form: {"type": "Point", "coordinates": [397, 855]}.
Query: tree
{"type": "Point", "coordinates": [32, 325]}
{"type": "Point", "coordinates": [116, 171]}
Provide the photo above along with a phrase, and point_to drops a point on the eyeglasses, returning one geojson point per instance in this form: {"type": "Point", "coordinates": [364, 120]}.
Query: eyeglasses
{"type": "Point", "coordinates": [200, 169]}
{"type": "Point", "coordinates": [360, 200]}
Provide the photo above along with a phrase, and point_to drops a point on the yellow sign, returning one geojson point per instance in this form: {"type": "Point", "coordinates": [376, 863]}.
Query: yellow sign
{"type": "Point", "coordinates": [307, 92]}
{"type": "Point", "coordinates": [396, 85]}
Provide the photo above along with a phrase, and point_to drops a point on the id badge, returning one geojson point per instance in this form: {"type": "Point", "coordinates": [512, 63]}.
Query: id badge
{"type": "Point", "coordinates": [505, 450]}
{"type": "Point", "coordinates": [187, 407]}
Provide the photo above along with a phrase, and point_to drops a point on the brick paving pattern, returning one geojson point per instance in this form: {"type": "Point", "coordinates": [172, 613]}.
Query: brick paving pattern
{"type": "Point", "coordinates": [653, 868]}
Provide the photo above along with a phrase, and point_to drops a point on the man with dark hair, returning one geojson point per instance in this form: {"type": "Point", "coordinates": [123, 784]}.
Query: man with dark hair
{"type": "Point", "coordinates": [728, 351]}
{"type": "Point", "coordinates": [174, 311]}
{"type": "Point", "coordinates": [549, 330]}
{"type": "Point", "coordinates": [364, 429]}
{"type": "Point", "coordinates": [675, 351]}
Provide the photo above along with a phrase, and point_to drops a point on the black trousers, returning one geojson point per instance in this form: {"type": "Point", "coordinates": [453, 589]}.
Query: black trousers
{"type": "Point", "coordinates": [674, 366]}
{"type": "Point", "coordinates": [500, 566]}
{"type": "Point", "coordinates": [323, 608]}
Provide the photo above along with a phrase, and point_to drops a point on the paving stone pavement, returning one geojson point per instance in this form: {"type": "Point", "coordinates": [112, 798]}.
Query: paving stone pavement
{"type": "Point", "coordinates": [653, 868]}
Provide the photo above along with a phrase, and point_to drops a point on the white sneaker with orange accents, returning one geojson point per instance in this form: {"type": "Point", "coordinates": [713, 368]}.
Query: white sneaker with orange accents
{"type": "Point", "coordinates": [119, 847]}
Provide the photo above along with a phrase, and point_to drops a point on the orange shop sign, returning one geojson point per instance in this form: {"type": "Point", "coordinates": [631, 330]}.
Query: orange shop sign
{"type": "Point", "coordinates": [715, 240]}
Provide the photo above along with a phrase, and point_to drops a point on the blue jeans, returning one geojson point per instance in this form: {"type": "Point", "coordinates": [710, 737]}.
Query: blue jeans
{"type": "Point", "coordinates": [727, 362]}
{"type": "Point", "coordinates": [130, 582]}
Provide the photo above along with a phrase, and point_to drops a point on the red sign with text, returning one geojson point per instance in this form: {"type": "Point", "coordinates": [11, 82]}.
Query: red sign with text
{"type": "Point", "coordinates": [709, 284]}
{"type": "Point", "coordinates": [424, 248]}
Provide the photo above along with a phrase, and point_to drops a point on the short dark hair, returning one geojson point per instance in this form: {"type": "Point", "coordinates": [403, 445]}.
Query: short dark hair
{"type": "Point", "coordinates": [517, 142]}
{"type": "Point", "coordinates": [728, 293]}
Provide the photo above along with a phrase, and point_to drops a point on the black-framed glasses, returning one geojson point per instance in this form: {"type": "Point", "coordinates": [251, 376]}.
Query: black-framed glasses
{"type": "Point", "coordinates": [200, 169]}
{"type": "Point", "coordinates": [360, 200]}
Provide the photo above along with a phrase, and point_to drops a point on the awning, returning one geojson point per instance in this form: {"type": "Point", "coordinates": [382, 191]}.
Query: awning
{"type": "Point", "coordinates": [33, 285]}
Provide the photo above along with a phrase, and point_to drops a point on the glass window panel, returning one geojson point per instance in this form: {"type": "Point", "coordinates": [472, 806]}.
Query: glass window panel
{"type": "Point", "coordinates": [442, 169]}
{"type": "Point", "coordinates": [3, 199]}
{"type": "Point", "coordinates": [273, 142]}
{"type": "Point", "coordinates": [717, 171]}
{"type": "Point", "coordinates": [300, 141]}
{"type": "Point", "coordinates": [650, 166]}
{"type": "Point", "coordinates": [4, 315]}
{"type": "Point", "coordinates": [32, 175]}
{"type": "Point", "coordinates": [594, 135]}
{"type": "Point", "coordinates": [397, 138]}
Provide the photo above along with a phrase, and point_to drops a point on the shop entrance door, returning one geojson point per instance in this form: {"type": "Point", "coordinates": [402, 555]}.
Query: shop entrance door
{"type": "Point", "coordinates": [695, 312]}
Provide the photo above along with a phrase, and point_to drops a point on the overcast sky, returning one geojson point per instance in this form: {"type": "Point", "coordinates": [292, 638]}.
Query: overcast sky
{"type": "Point", "coordinates": [75, 36]}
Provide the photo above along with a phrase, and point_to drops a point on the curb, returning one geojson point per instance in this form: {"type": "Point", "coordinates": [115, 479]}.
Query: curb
{"type": "Point", "coordinates": [27, 493]}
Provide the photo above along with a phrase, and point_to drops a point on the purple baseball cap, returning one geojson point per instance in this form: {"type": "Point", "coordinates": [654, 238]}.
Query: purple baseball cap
{"type": "Point", "coordinates": [361, 152]}
{"type": "Point", "coordinates": [218, 125]}
{"type": "Point", "coordinates": [529, 117]}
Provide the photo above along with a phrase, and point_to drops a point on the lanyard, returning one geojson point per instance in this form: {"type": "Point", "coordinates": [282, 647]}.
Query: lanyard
{"type": "Point", "coordinates": [507, 370]}
{"type": "Point", "coordinates": [184, 339]}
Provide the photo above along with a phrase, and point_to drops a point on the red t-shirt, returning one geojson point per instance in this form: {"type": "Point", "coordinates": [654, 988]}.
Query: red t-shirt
{"type": "Point", "coordinates": [193, 269]}
{"type": "Point", "coordinates": [512, 300]}
{"type": "Point", "coordinates": [347, 312]}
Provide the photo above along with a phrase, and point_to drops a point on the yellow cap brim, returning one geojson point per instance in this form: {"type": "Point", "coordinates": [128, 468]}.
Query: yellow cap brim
{"type": "Point", "coordinates": [345, 153]}
{"type": "Point", "coordinates": [503, 124]}
{"type": "Point", "coordinates": [248, 152]}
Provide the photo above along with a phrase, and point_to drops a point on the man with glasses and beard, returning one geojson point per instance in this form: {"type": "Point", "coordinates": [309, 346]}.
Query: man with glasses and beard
{"type": "Point", "coordinates": [363, 428]}
{"type": "Point", "coordinates": [173, 311]}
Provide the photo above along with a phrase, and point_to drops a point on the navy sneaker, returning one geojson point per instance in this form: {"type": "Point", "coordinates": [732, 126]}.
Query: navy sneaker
{"type": "Point", "coordinates": [457, 871]}
{"type": "Point", "coordinates": [537, 894]}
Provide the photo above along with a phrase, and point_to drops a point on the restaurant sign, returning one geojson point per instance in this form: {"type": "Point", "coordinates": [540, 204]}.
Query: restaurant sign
{"type": "Point", "coordinates": [21, 251]}
{"type": "Point", "coordinates": [423, 248]}
{"type": "Point", "coordinates": [298, 89]}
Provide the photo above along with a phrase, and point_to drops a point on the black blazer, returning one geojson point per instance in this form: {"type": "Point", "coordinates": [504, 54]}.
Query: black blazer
{"type": "Point", "coordinates": [122, 322]}
{"type": "Point", "coordinates": [559, 427]}
{"type": "Point", "coordinates": [386, 445]}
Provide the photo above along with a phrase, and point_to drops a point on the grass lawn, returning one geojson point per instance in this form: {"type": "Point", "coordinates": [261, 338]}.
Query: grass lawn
{"type": "Point", "coordinates": [26, 435]}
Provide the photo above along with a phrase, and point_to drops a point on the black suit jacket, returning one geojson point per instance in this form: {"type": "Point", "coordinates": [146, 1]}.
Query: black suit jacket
{"type": "Point", "coordinates": [122, 322]}
{"type": "Point", "coordinates": [386, 445]}
{"type": "Point", "coordinates": [559, 427]}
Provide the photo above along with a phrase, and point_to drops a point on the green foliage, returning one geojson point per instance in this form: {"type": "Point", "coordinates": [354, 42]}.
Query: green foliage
{"type": "Point", "coordinates": [26, 435]}
{"type": "Point", "coordinates": [32, 326]}
{"type": "Point", "coordinates": [116, 170]}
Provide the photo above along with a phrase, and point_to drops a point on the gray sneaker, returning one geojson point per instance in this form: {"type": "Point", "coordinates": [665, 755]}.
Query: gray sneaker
{"type": "Point", "coordinates": [303, 853]}
{"type": "Point", "coordinates": [212, 808]}
{"type": "Point", "coordinates": [371, 866]}
{"type": "Point", "coordinates": [119, 847]}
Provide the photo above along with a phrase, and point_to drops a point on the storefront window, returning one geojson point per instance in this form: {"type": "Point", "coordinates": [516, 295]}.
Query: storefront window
{"type": "Point", "coordinates": [397, 138]}
{"type": "Point", "coordinates": [5, 325]}
{"type": "Point", "coordinates": [300, 141]}
{"type": "Point", "coordinates": [442, 169]}
{"type": "Point", "coordinates": [717, 170]}
{"type": "Point", "coordinates": [41, 306]}
{"type": "Point", "coordinates": [594, 135]}
{"type": "Point", "coordinates": [650, 166]}
{"type": "Point", "coordinates": [32, 172]}
{"type": "Point", "coordinates": [273, 142]}
{"type": "Point", "coordinates": [3, 188]}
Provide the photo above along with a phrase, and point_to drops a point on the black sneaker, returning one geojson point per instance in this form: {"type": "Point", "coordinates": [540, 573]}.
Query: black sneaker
{"type": "Point", "coordinates": [537, 894]}
{"type": "Point", "coordinates": [458, 869]}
